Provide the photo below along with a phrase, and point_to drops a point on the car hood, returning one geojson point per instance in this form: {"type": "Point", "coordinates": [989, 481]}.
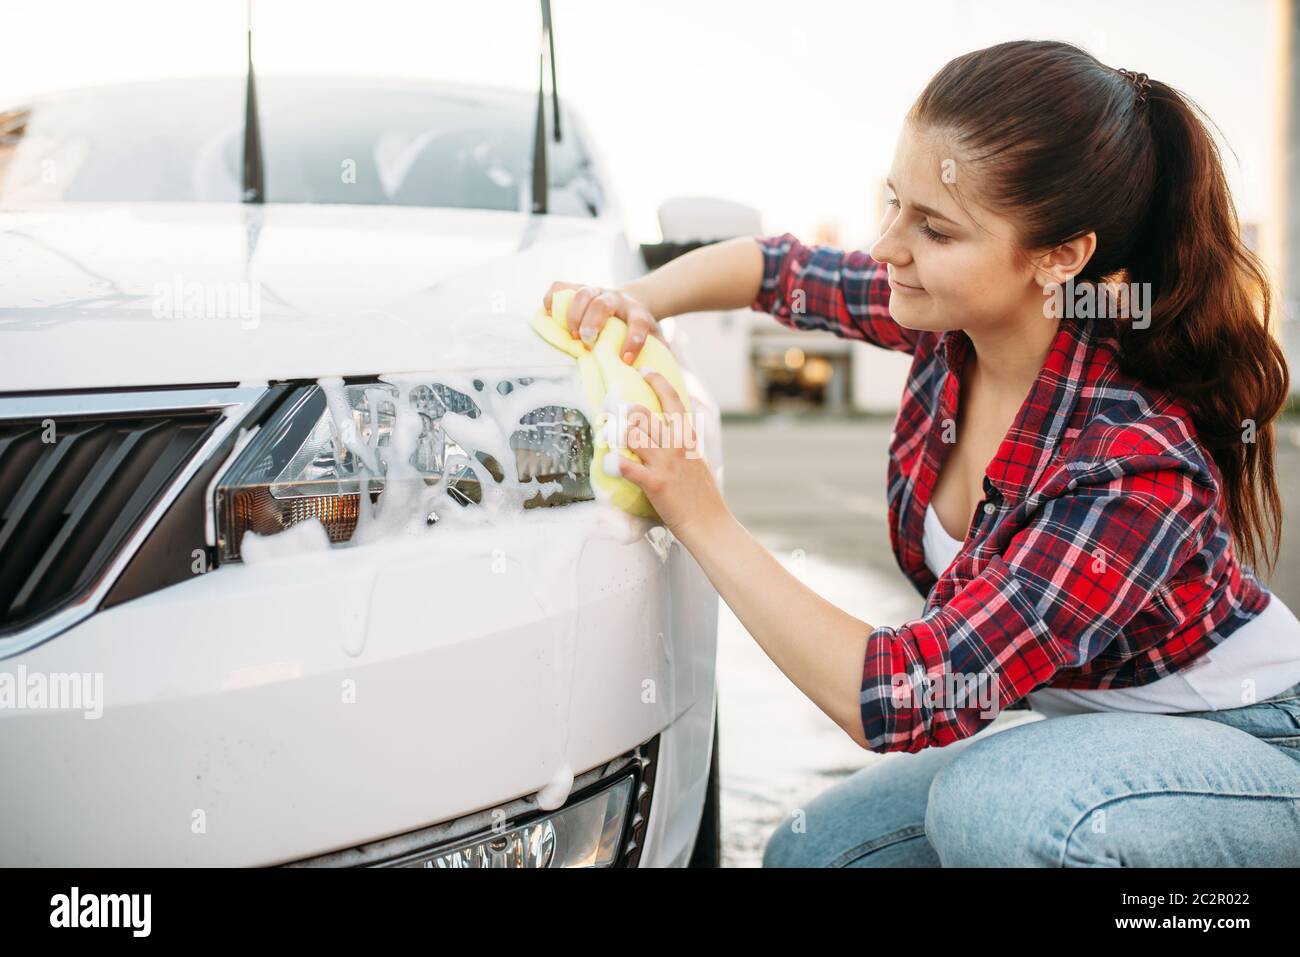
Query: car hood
{"type": "Point", "coordinates": [103, 295]}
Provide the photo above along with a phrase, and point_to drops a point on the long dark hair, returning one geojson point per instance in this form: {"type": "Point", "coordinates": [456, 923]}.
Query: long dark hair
{"type": "Point", "coordinates": [1064, 145]}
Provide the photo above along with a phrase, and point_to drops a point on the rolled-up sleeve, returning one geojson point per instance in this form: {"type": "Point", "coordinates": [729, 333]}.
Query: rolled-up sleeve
{"type": "Point", "coordinates": [827, 289]}
{"type": "Point", "coordinates": [1061, 590]}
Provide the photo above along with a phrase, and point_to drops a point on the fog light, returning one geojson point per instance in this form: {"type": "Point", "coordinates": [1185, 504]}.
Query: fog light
{"type": "Point", "coordinates": [584, 834]}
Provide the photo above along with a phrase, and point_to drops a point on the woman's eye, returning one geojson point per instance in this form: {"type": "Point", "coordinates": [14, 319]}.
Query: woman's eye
{"type": "Point", "coordinates": [924, 226]}
{"type": "Point", "coordinates": [931, 234]}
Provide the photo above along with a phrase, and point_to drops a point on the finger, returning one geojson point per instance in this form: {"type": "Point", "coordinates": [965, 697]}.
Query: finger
{"type": "Point", "coordinates": [645, 435]}
{"type": "Point", "coordinates": [668, 397]}
{"type": "Point", "coordinates": [690, 437]}
{"type": "Point", "coordinates": [578, 306]}
{"type": "Point", "coordinates": [636, 414]}
{"type": "Point", "coordinates": [598, 312]}
{"type": "Point", "coordinates": [550, 293]}
{"type": "Point", "coordinates": [674, 425]}
{"type": "Point", "coordinates": [637, 418]}
{"type": "Point", "coordinates": [638, 328]}
{"type": "Point", "coordinates": [640, 441]}
{"type": "Point", "coordinates": [634, 472]}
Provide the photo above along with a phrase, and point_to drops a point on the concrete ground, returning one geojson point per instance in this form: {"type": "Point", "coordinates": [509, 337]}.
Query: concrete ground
{"type": "Point", "coordinates": [813, 491]}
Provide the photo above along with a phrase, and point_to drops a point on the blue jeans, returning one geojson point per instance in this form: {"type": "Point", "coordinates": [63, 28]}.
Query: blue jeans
{"type": "Point", "coordinates": [1104, 789]}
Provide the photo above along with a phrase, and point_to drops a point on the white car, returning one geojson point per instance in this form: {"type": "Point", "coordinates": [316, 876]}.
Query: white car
{"type": "Point", "coordinates": [211, 652]}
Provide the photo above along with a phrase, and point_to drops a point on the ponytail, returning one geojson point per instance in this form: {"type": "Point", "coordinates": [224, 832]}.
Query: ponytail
{"type": "Point", "coordinates": [1209, 341]}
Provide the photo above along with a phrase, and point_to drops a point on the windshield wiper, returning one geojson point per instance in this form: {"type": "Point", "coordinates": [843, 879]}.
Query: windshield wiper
{"type": "Point", "coordinates": [254, 176]}
{"type": "Point", "coordinates": [540, 178]}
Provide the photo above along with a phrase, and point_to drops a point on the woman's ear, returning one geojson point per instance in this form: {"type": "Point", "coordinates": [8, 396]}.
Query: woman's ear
{"type": "Point", "coordinates": [1064, 261]}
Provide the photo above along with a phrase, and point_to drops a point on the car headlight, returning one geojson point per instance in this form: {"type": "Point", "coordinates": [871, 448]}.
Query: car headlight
{"type": "Point", "coordinates": [332, 450]}
{"type": "Point", "coordinates": [583, 834]}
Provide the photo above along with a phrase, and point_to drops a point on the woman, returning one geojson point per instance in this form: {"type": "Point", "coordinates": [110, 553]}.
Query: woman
{"type": "Point", "coordinates": [1079, 483]}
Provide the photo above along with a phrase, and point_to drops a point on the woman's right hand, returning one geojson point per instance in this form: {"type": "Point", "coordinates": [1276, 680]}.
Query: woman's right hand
{"type": "Point", "coordinates": [593, 305]}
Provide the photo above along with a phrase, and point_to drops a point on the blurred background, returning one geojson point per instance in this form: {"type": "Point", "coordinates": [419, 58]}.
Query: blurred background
{"type": "Point", "coordinates": [786, 117]}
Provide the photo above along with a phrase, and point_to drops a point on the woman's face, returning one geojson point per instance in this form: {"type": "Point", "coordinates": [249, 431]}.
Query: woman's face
{"type": "Point", "coordinates": [949, 267]}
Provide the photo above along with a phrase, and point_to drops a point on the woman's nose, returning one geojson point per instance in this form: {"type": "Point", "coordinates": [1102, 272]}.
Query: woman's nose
{"type": "Point", "coordinates": [887, 249]}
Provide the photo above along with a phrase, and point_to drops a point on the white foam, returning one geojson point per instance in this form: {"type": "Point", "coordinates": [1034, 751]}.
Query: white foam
{"type": "Point", "coordinates": [610, 463]}
{"type": "Point", "coordinates": [557, 790]}
{"type": "Point", "coordinates": [523, 535]}
{"type": "Point", "coordinates": [308, 535]}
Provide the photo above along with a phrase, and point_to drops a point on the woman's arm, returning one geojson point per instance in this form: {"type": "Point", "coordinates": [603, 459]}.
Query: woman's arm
{"type": "Point", "coordinates": [818, 646]}
{"type": "Point", "coordinates": [818, 288]}
{"type": "Point", "coordinates": [720, 276]}
{"type": "Point", "coordinates": [827, 289]}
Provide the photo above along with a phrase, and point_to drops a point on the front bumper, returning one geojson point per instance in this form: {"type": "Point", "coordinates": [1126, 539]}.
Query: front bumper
{"type": "Point", "coordinates": [270, 713]}
{"type": "Point", "coordinates": [633, 773]}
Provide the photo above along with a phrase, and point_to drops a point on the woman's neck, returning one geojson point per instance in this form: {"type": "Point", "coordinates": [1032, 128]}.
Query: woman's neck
{"type": "Point", "coordinates": [1010, 356]}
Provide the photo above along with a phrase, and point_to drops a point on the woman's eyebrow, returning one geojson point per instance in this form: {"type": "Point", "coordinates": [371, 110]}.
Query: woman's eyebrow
{"type": "Point", "coordinates": [925, 209]}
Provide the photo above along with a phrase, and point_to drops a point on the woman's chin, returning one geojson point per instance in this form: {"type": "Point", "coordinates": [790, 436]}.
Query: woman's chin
{"type": "Point", "coordinates": [908, 315]}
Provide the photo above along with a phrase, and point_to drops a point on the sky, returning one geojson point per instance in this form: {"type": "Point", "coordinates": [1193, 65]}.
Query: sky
{"type": "Point", "coordinates": [791, 107]}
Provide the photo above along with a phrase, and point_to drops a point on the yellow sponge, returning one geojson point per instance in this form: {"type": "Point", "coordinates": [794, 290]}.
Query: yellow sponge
{"type": "Point", "coordinates": [605, 376]}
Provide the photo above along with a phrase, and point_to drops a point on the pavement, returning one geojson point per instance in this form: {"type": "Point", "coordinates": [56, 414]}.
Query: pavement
{"type": "Point", "coordinates": [813, 491]}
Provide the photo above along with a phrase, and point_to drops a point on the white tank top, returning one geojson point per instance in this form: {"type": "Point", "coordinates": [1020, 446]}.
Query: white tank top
{"type": "Point", "coordinates": [1265, 651]}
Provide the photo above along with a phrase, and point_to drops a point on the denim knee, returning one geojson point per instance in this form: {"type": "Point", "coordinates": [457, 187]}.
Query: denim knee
{"type": "Point", "coordinates": [972, 818]}
{"type": "Point", "coordinates": [784, 847]}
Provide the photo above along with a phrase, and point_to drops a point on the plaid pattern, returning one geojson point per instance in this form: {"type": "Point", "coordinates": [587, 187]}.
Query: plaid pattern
{"type": "Point", "coordinates": [1100, 556]}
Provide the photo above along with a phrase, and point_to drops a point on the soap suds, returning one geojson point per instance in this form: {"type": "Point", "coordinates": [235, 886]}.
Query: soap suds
{"type": "Point", "coordinates": [557, 790]}
{"type": "Point", "coordinates": [308, 535]}
{"type": "Point", "coordinates": [661, 540]}
{"type": "Point", "coordinates": [407, 507]}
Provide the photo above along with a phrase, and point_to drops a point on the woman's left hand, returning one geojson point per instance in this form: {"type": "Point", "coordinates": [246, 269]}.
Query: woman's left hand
{"type": "Point", "coordinates": [673, 473]}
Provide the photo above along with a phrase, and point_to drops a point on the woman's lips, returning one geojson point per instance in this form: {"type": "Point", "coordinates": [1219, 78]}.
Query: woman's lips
{"type": "Point", "coordinates": [903, 287]}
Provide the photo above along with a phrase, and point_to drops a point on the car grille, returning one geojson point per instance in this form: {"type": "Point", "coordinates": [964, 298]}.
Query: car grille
{"type": "Point", "coordinates": [72, 490]}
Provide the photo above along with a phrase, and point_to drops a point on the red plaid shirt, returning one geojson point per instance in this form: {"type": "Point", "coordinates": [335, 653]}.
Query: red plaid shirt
{"type": "Point", "coordinates": [1100, 556]}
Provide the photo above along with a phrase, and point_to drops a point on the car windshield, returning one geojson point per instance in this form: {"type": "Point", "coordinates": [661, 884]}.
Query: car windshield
{"type": "Point", "coordinates": [324, 140]}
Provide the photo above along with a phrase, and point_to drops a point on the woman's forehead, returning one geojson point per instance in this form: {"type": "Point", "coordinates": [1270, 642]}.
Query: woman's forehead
{"type": "Point", "coordinates": [930, 171]}
{"type": "Point", "coordinates": [926, 167]}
